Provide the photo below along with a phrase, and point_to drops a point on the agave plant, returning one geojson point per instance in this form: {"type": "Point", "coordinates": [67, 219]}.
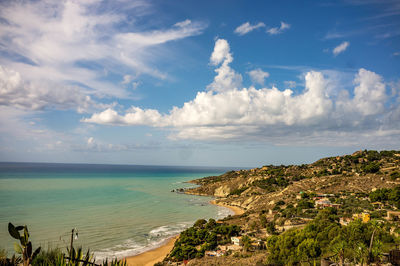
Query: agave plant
{"type": "Point", "coordinates": [61, 261]}
{"type": "Point", "coordinates": [114, 262]}
{"type": "Point", "coordinates": [361, 253]}
{"type": "Point", "coordinates": [25, 246]}
{"type": "Point", "coordinates": [77, 258]}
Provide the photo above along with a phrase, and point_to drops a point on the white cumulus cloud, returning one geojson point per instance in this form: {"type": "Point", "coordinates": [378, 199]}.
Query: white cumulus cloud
{"type": "Point", "coordinates": [340, 48]}
{"type": "Point", "coordinates": [247, 27]}
{"type": "Point", "coordinates": [270, 113]}
{"type": "Point", "coordinates": [258, 76]}
{"type": "Point", "coordinates": [226, 78]}
{"type": "Point", "coordinates": [234, 107]}
{"type": "Point", "coordinates": [369, 94]}
{"type": "Point", "coordinates": [277, 30]}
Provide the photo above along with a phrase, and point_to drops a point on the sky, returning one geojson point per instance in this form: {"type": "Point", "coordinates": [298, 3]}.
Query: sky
{"type": "Point", "coordinates": [201, 83]}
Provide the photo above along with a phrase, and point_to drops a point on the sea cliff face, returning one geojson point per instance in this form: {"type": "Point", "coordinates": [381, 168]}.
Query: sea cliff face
{"type": "Point", "coordinates": [222, 191]}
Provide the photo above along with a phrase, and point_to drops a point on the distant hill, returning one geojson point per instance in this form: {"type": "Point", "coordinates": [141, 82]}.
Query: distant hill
{"type": "Point", "coordinates": [260, 188]}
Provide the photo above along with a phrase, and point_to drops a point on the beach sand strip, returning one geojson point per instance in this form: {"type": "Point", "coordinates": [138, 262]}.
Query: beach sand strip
{"type": "Point", "coordinates": [149, 258]}
{"type": "Point", "coordinates": [153, 256]}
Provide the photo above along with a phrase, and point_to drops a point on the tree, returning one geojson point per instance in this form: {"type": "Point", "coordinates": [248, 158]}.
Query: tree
{"type": "Point", "coordinates": [308, 249]}
{"type": "Point", "coordinates": [246, 243]}
{"type": "Point", "coordinates": [188, 252]}
{"type": "Point", "coordinates": [338, 249]}
{"type": "Point", "coordinates": [200, 223]}
{"type": "Point", "coordinates": [305, 204]}
{"type": "Point", "coordinates": [376, 226]}
{"type": "Point", "coordinates": [211, 224]}
{"type": "Point", "coordinates": [263, 221]}
{"type": "Point", "coordinates": [372, 167]}
{"type": "Point", "coordinates": [212, 241]}
{"type": "Point", "coordinates": [271, 228]}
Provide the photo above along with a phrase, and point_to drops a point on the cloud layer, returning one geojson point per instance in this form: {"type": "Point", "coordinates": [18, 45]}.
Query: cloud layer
{"type": "Point", "coordinates": [227, 111]}
{"type": "Point", "coordinates": [83, 42]}
{"type": "Point", "coordinates": [15, 92]}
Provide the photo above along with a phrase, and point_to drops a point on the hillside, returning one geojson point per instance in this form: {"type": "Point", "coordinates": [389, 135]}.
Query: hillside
{"type": "Point", "coordinates": [261, 188]}
{"type": "Point", "coordinates": [279, 199]}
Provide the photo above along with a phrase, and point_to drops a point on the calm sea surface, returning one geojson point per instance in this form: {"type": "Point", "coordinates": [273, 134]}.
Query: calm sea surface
{"type": "Point", "coordinates": [117, 210]}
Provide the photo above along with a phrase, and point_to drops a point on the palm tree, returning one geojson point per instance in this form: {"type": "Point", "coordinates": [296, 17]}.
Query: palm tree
{"type": "Point", "coordinates": [338, 250]}
{"type": "Point", "coordinates": [376, 226]}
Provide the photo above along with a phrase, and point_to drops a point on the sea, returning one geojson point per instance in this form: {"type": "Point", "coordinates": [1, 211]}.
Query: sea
{"type": "Point", "coordinates": [114, 210]}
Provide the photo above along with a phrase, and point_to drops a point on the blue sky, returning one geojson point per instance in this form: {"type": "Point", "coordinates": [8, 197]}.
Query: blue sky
{"type": "Point", "coordinates": [216, 83]}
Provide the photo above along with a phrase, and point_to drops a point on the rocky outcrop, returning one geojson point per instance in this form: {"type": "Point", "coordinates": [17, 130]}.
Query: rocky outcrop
{"type": "Point", "coordinates": [222, 191]}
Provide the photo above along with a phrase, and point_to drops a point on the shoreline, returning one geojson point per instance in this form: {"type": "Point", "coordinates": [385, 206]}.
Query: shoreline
{"type": "Point", "coordinates": [237, 210]}
{"type": "Point", "coordinates": [149, 258]}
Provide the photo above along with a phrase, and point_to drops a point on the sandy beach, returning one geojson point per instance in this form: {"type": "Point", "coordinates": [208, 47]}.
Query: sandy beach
{"type": "Point", "coordinates": [151, 257]}
{"type": "Point", "coordinates": [235, 209]}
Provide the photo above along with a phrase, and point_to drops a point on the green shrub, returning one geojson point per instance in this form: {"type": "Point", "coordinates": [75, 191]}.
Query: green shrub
{"type": "Point", "coordinates": [394, 175]}
{"type": "Point", "coordinates": [238, 191]}
{"type": "Point", "coordinates": [48, 257]}
{"type": "Point", "coordinates": [372, 167]}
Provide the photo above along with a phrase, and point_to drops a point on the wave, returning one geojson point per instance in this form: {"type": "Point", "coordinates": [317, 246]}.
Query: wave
{"type": "Point", "coordinates": [224, 212]}
{"type": "Point", "coordinates": [155, 238]}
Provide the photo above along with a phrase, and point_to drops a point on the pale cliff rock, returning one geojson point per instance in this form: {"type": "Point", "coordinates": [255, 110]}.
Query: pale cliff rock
{"type": "Point", "coordinates": [222, 191]}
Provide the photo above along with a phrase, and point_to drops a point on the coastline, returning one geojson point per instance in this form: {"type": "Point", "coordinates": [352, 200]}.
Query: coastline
{"type": "Point", "coordinates": [149, 258]}
{"type": "Point", "coordinates": [237, 210]}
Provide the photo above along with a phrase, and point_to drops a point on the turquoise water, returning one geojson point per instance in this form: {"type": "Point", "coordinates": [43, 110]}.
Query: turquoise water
{"type": "Point", "coordinates": [117, 210]}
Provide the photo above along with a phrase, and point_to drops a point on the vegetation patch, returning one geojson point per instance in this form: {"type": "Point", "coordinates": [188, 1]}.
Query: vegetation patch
{"type": "Point", "coordinates": [202, 236]}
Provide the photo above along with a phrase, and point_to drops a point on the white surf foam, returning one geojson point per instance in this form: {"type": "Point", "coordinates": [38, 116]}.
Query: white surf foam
{"type": "Point", "coordinates": [156, 238]}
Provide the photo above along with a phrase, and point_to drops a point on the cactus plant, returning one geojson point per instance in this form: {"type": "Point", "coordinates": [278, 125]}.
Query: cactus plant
{"type": "Point", "coordinates": [25, 246]}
